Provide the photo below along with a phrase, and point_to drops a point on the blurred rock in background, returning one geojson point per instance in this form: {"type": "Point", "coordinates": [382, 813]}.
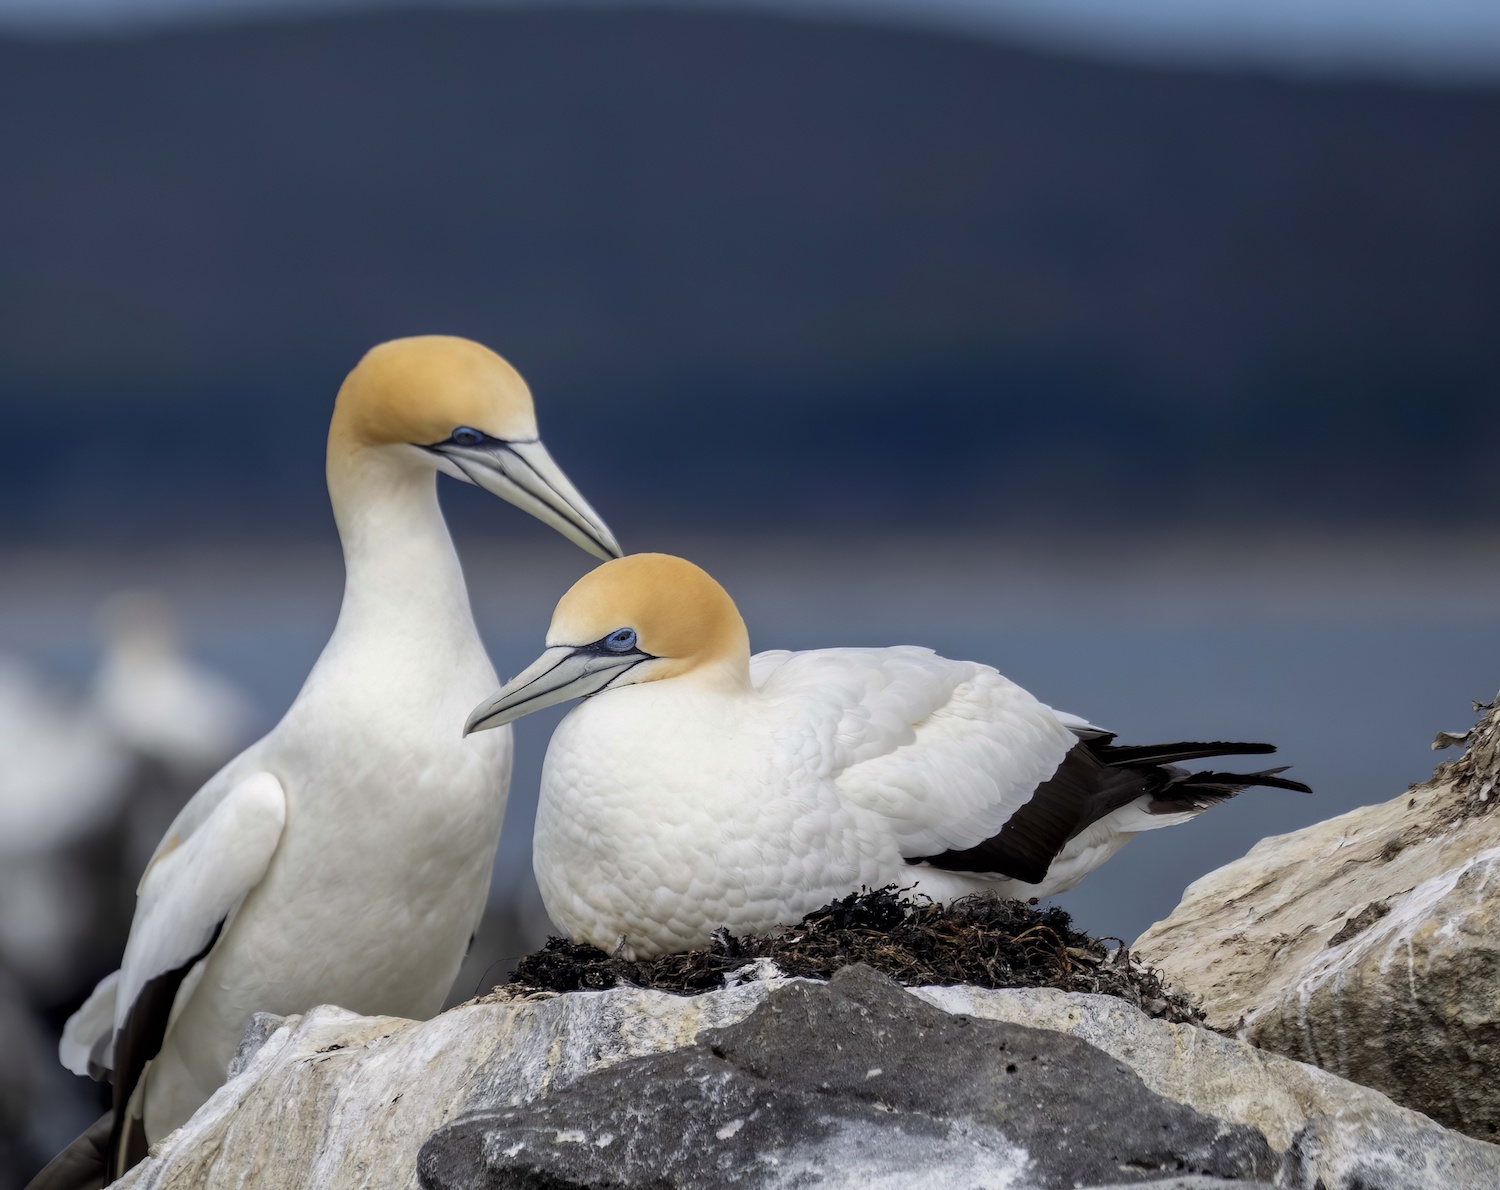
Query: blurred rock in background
{"type": "Point", "coordinates": [88, 785]}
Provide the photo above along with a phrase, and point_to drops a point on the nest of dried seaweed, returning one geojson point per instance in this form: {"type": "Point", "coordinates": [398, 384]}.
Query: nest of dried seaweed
{"type": "Point", "coordinates": [980, 940]}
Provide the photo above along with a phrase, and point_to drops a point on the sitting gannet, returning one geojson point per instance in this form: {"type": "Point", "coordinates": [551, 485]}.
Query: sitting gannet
{"type": "Point", "coordinates": [345, 857]}
{"type": "Point", "coordinates": [698, 786]}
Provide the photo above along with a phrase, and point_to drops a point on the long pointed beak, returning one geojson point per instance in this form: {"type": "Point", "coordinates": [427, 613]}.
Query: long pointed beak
{"type": "Point", "coordinates": [524, 474]}
{"type": "Point", "coordinates": [559, 674]}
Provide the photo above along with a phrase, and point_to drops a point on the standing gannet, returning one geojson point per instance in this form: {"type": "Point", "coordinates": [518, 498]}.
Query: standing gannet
{"type": "Point", "coordinates": [345, 857]}
{"type": "Point", "coordinates": [701, 787]}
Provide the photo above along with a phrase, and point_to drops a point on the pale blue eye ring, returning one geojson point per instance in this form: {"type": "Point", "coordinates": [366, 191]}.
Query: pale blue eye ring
{"type": "Point", "coordinates": [467, 436]}
{"type": "Point", "coordinates": [622, 640]}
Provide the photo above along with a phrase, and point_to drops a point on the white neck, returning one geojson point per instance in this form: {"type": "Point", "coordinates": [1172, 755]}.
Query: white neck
{"type": "Point", "coordinates": [404, 594]}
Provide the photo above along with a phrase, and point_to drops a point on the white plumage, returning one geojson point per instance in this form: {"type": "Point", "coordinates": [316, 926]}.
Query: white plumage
{"type": "Point", "coordinates": [345, 857]}
{"type": "Point", "coordinates": [745, 808]}
{"type": "Point", "coordinates": [700, 787]}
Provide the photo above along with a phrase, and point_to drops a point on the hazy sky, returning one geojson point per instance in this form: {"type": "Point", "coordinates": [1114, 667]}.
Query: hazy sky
{"type": "Point", "coordinates": [1427, 38]}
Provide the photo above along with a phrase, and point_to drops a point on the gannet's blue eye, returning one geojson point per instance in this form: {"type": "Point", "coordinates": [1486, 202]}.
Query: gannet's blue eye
{"type": "Point", "coordinates": [622, 640]}
{"type": "Point", "coordinates": [467, 436]}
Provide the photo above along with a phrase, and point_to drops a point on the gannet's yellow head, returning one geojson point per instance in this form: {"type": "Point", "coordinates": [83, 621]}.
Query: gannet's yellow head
{"type": "Point", "coordinates": [467, 413]}
{"type": "Point", "coordinates": [636, 619]}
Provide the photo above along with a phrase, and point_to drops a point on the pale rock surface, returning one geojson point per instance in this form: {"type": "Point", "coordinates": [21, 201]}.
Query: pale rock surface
{"type": "Point", "coordinates": [342, 1102]}
{"type": "Point", "coordinates": [853, 1084]}
{"type": "Point", "coordinates": [1368, 944]}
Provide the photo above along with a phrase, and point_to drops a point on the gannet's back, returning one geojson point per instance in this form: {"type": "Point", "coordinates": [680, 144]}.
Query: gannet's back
{"type": "Point", "coordinates": [941, 750]}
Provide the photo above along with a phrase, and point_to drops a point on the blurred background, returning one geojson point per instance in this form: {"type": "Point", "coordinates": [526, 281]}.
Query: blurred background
{"type": "Point", "coordinates": [1145, 350]}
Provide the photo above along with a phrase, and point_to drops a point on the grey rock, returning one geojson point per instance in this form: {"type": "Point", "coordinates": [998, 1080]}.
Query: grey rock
{"type": "Point", "coordinates": [1338, 1133]}
{"type": "Point", "coordinates": [262, 1025]}
{"type": "Point", "coordinates": [1368, 944]}
{"type": "Point", "coordinates": [854, 1083]}
{"type": "Point", "coordinates": [1354, 1151]}
{"type": "Point", "coordinates": [344, 1102]}
{"type": "Point", "coordinates": [1190, 1182]}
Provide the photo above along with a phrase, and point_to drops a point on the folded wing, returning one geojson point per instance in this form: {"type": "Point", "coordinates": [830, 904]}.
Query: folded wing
{"type": "Point", "coordinates": [971, 772]}
{"type": "Point", "coordinates": [1128, 788]}
{"type": "Point", "coordinates": [946, 751]}
{"type": "Point", "coordinates": [214, 854]}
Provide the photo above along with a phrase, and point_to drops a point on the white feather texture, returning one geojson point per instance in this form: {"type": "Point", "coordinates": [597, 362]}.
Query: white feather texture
{"type": "Point", "coordinates": [194, 885]}
{"type": "Point", "coordinates": [369, 894]}
{"type": "Point", "coordinates": [88, 1036]}
{"type": "Point", "coordinates": [700, 787]}
{"type": "Point", "coordinates": [344, 858]}
{"type": "Point", "coordinates": [673, 807]}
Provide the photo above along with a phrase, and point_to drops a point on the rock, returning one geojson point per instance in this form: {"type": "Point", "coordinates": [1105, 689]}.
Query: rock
{"type": "Point", "coordinates": [1368, 944]}
{"type": "Point", "coordinates": [338, 1101]}
{"type": "Point", "coordinates": [853, 1083]}
{"type": "Point", "coordinates": [1191, 1182]}
{"type": "Point", "coordinates": [1337, 1134]}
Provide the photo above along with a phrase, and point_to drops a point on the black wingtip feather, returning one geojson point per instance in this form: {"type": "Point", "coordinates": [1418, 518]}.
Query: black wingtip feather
{"type": "Point", "coordinates": [1234, 782]}
{"type": "Point", "coordinates": [1093, 780]}
{"type": "Point", "coordinates": [1115, 756]}
{"type": "Point", "coordinates": [136, 1043]}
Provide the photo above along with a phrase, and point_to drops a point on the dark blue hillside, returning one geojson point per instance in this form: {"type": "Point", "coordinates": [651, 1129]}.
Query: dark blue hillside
{"type": "Point", "coordinates": [760, 272]}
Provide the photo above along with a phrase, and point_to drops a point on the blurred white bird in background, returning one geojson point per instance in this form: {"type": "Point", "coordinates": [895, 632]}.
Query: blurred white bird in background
{"type": "Point", "coordinates": [87, 782]}
{"type": "Point", "coordinates": [61, 769]}
{"type": "Point", "coordinates": [158, 701]}
{"type": "Point", "coordinates": [98, 773]}
{"type": "Point", "coordinates": [178, 720]}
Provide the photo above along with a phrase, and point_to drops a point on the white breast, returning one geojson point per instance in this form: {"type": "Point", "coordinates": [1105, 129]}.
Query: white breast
{"type": "Point", "coordinates": [671, 808]}
{"type": "Point", "coordinates": [381, 873]}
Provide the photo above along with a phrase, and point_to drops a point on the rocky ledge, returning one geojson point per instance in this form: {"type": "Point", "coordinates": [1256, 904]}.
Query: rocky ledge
{"type": "Point", "coordinates": [1368, 944]}
{"type": "Point", "coordinates": [855, 1082]}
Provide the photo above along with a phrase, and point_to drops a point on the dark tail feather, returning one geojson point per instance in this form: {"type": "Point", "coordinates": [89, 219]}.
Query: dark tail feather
{"type": "Point", "coordinates": [81, 1166]}
{"type": "Point", "coordinates": [1199, 791]}
{"type": "Point", "coordinates": [1235, 782]}
{"type": "Point", "coordinates": [1113, 755]}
